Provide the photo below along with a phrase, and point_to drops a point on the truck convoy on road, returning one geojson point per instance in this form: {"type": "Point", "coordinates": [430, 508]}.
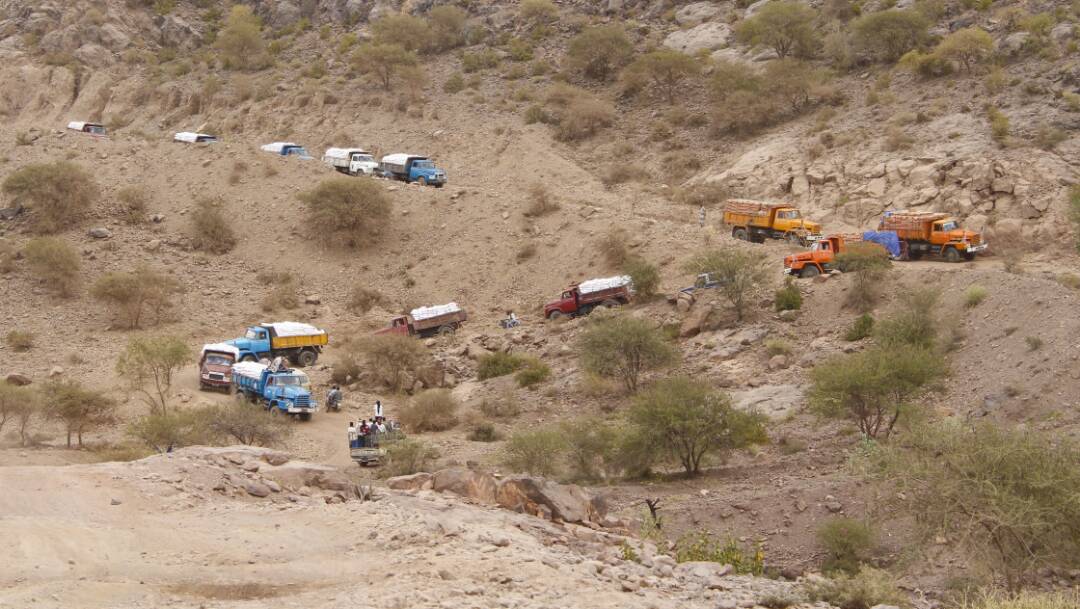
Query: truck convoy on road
{"type": "Point", "coordinates": [932, 233]}
{"type": "Point", "coordinates": [300, 343]}
{"type": "Point", "coordinates": [286, 149]}
{"type": "Point", "coordinates": [279, 389]}
{"type": "Point", "coordinates": [412, 168]}
{"type": "Point", "coordinates": [215, 365]}
{"type": "Point", "coordinates": [582, 298]}
{"type": "Point", "coordinates": [353, 161]}
{"type": "Point", "coordinates": [428, 321]}
{"type": "Point", "coordinates": [756, 221]}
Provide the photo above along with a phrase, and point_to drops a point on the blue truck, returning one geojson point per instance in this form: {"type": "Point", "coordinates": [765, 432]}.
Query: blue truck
{"type": "Point", "coordinates": [412, 168]}
{"type": "Point", "coordinates": [276, 387]}
{"type": "Point", "coordinates": [299, 342]}
{"type": "Point", "coordinates": [287, 149]}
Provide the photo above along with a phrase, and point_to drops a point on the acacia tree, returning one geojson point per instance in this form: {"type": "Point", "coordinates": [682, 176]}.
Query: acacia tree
{"type": "Point", "coordinates": [666, 70]}
{"type": "Point", "coordinates": [785, 27]}
{"type": "Point", "coordinates": [690, 420]}
{"type": "Point", "coordinates": [78, 408]}
{"type": "Point", "coordinates": [624, 347]}
{"type": "Point", "coordinates": [968, 47]}
{"type": "Point", "coordinates": [132, 294]}
{"type": "Point", "coordinates": [887, 35]}
{"type": "Point", "coordinates": [148, 364]}
{"type": "Point", "coordinates": [246, 425]}
{"type": "Point", "coordinates": [383, 61]}
{"type": "Point", "coordinates": [738, 271]}
{"type": "Point", "coordinates": [599, 51]}
{"type": "Point", "coordinates": [240, 42]}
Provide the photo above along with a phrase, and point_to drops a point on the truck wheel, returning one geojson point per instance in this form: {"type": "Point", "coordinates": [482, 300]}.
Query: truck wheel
{"type": "Point", "coordinates": [447, 330]}
{"type": "Point", "coordinates": [305, 416]}
{"type": "Point", "coordinates": [794, 239]}
{"type": "Point", "coordinates": [969, 256]}
{"type": "Point", "coordinates": [421, 181]}
{"type": "Point", "coordinates": [274, 411]}
{"type": "Point", "coordinates": [951, 254]}
{"type": "Point", "coordinates": [555, 315]}
{"type": "Point", "coordinates": [306, 358]}
{"type": "Point", "coordinates": [610, 304]}
{"type": "Point", "coordinates": [809, 271]}
{"type": "Point", "coordinates": [740, 233]}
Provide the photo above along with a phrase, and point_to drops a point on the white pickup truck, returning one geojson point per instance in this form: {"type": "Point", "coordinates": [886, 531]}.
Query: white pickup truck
{"type": "Point", "coordinates": [353, 161]}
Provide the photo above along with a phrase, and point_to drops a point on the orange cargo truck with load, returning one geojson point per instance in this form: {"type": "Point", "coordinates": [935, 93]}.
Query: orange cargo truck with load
{"type": "Point", "coordinates": [756, 221]}
{"type": "Point", "coordinates": [821, 256]}
{"type": "Point", "coordinates": [933, 233]}
{"type": "Point", "coordinates": [428, 321]}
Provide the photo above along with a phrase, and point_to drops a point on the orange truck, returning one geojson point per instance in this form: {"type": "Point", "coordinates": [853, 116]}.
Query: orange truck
{"type": "Point", "coordinates": [756, 221]}
{"type": "Point", "coordinates": [932, 233]}
{"type": "Point", "coordinates": [819, 259]}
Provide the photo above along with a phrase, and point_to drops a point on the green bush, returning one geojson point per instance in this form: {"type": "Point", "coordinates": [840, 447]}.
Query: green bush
{"type": "Point", "coordinates": [887, 35]}
{"type": "Point", "coordinates": [644, 275]}
{"type": "Point", "coordinates": [19, 341]}
{"type": "Point", "coordinates": [969, 47]}
{"type": "Point", "coordinates": [454, 84]}
{"type": "Point", "coordinates": [785, 27]}
{"type": "Point", "coordinates": [240, 42]}
{"type": "Point", "coordinates": [704, 547]}
{"type": "Point", "coordinates": [131, 295]}
{"type": "Point", "coordinates": [449, 26]}
{"type": "Point", "coordinates": [535, 452]}
{"type": "Point", "coordinates": [210, 230]}
{"type": "Point", "coordinates": [537, 12]}
{"type": "Point", "coordinates": [407, 457]}
{"type": "Point", "coordinates": [847, 543]}
{"type": "Point", "coordinates": [739, 271]}
{"type": "Point", "coordinates": [491, 365]}
{"type": "Point", "coordinates": [665, 70]}
{"type": "Point", "coordinates": [689, 420]}
{"type": "Point", "coordinates": [55, 263]}
{"type": "Point", "coordinates": [410, 32]}
{"type": "Point", "coordinates": [532, 373]}
{"type": "Point", "coordinates": [862, 327]}
{"type": "Point", "coordinates": [483, 59]}
{"type": "Point", "coordinates": [58, 193]}
{"type": "Point", "coordinates": [598, 52]}
{"type": "Point", "coordinates": [393, 358]}
{"type": "Point", "coordinates": [867, 588]}
{"type": "Point", "coordinates": [384, 62]}
{"type": "Point", "coordinates": [974, 296]}
{"type": "Point", "coordinates": [483, 431]}
{"type": "Point", "coordinates": [432, 410]}
{"type": "Point", "coordinates": [623, 348]}
{"type": "Point", "coordinates": [1034, 343]}
{"type": "Point", "coordinates": [346, 211]}
{"type": "Point", "coordinates": [999, 124]}
{"type": "Point", "coordinates": [915, 323]}
{"type": "Point", "coordinates": [789, 297]}
{"type": "Point", "coordinates": [133, 203]}
{"type": "Point", "coordinates": [240, 422]}
{"type": "Point", "coordinates": [868, 263]}
{"type": "Point", "coordinates": [775, 346]}
{"type": "Point", "coordinates": [148, 364]}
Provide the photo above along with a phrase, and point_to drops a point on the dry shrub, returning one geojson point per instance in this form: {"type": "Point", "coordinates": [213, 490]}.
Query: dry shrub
{"type": "Point", "coordinates": [583, 118]}
{"type": "Point", "coordinates": [210, 229]}
{"type": "Point", "coordinates": [503, 406]}
{"type": "Point", "coordinates": [282, 295]}
{"type": "Point", "coordinates": [705, 194]}
{"type": "Point", "coordinates": [407, 457]}
{"type": "Point", "coordinates": [55, 263]}
{"type": "Point", "coordinates": [8, 255]}
{"type": "Point", "coordinates": [541, 201]}
{"type": "Point", "coordinates": [614, 246]}
{"type": "Point", "coordinates": [362, 299]}
{"type": "Point", "coordinates": [57, 193]}
{"type": "Point", "coordinates": [867, 588]}
{"type": "Point", "coordinates": [619, 173]}
{"type": "Point", "coordinates": [525, 252]}
{"type": "Point", "coordinates": [432, 410]}
{"type": "Point", "coordinates": [130, 296]}
{"type": "Point", "coordinates": [347, 211]}
{"type": "Point", "coordinates": [532, 373]}
{"type": "Point", "coordinates": [19, 341]}
{"type": "Point", "coordinates": [394, 358]}
{"type": "Point", "coordinates": [133, 204]}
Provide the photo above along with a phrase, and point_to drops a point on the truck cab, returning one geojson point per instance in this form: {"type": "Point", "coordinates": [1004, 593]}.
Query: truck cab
{"type": "Point", "coordinates": [424, 171]}
{"type": "Point", "coordinates": [256, 341]}
{"type": "Point", "coordinates": [704, 281]}
{"type": "Point", "coordinates": [413, 168]}
{"type": "Point", "coordinates": [815, 261]}
{"type": "Point", "coordinates": [398, 325]}
{"type": "Point", "coordinates": [278, 388]}
{"type": "Point", "coordinates": [215, 366]}
{"type": "Point", "coordinates": [351, 161]}
{"type": "Point", "coordinates": [287, 149]}
{"type": "Point", "coordinates": [567, 304]}
{"type": "Point", "coordinates": [362, 163]}
{"type": "Point", "coordinates": [188, 137]}
{"type": "Point", "coordinates": [92, 128]}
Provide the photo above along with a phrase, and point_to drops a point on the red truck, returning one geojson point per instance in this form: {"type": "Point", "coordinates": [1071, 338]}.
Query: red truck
{"type": "Point", "coordinates": [428, 321]}
{"type": "Point", "coordinates": [582, 298]}
{"type": "Point", "coordinates": [215, 366]}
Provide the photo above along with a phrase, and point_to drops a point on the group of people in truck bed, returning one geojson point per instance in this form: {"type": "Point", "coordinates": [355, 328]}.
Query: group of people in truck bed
{"type": "Point", "coordinates": [365, 433]}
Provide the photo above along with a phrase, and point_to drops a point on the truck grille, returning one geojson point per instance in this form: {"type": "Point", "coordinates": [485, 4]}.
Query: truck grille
{"type": "Point", "coordinates": [303, 401]}
{"type": "Point", "coordinates": [217, 376]}
{"type": "Point", "coordinates": [976, 239]}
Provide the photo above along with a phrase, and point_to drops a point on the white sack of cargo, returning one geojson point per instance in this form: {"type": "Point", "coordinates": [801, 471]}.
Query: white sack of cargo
{"type": "Point", "coordinates": [401, 158]}
{"type": "Point", "coordinates": [342, 154]}
{"type": "Point", "coordinates": [221, 348]}
{"type": "Point", "coordinates": [189, 137]}
{"type": "Point", "coordinates": [77, 125]}
{"type": "Point", "coordinates": [277, 147]}
{"type": "Point", "coordinates": [423, 313]}
{"type": "Point", "coordinates": [293, 328]}
{"type": "Point", "coordinates": [605, 283]}
{"type": "Point", "coordinates": [251, 370]}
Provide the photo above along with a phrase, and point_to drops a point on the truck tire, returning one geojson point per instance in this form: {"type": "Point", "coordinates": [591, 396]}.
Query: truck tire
{"type": "Point", "coordinates": [793, 239]}
{"type": "Point", "coordinates": [951, 254]}
{"type": "Point", "coordinates": [969, 256]}
{"type": "Point", "coordinates": [740, 233]}
{"type": "Point", "coordinates": [609, 304]}
{"type": "Point", "coordinates": [306, 358]}
{"type": "Point", "coordinates": [305, 416]}
{"type": "Point", "coordinates": [421, 181]}
{"type": "Point", "coordinates": [446, 330]}
{"type": "Point", "coordinates": [274, 410]}
{"type": "Point", "coordinates": [809, 271]}
{"type": "Point", "coordinates": [555, 315]}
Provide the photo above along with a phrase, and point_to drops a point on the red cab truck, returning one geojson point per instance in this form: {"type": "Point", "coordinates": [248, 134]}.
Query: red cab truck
{"type": "Point", "coordinates": [428, 321]}
{"type": "Point", "coordinates": [582, 298]}
{"type": "Point", "coordinates": [215, 366]}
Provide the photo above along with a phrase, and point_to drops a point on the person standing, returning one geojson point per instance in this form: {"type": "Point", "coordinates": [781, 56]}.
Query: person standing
{"type": "Point", "coordinates": [352, 435]}
{"type": "Point", "coordinates": [701, 217]}
{"type": "Point", "coordinates": [378, 410]}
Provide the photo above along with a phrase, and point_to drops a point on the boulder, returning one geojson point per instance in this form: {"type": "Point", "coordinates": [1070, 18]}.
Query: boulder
{"type": "Point", "coordinates": [94, 55]}
{"type": "Point", "coordinates": [707, 36]}
{"type": "Point", "coordinates": [697, 12]}
{"type": "Point", "coordinates": [778, 362]}
{"type": "Point", "coordinates": [56, 371]}
{"type": "Point", "coordinates": [753, 8]}
{"type": "Point", "coordinates": [774, 401]}
{"type": "Point", "coordinates": [99, 233]}
{"type": "Point", "coordinates": [478, 486]}
{"type": "Point", "coordinates": [876, 187]}
{"type": "Point", "coordinates": [421, 481]}
{"type": "Point", "coordinates": [788, 315]}
{"type": "Point", "coordinates": [1014, 43]}
{"type": "Point", "coordinates": [257, 489]}
{"type": "Point", "coordinates": [565, 502]}
{"type": "Point", "coordinates": [695, 321]}
{"type": "Point", "coordinates": [111, 36]}
{"type": "Point", "coordinates": [18, 379]}
{"type": "Point", "coordinates": [275, 457]}
{"type": "Point", "coordinates": [1062, 32]}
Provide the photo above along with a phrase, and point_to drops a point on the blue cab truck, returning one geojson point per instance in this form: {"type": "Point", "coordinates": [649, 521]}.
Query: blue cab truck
{"type": "Point", "coordinates": [276, 387]}
{"type": "Point", "coordinates": [412, 168]}
{"type": "Point", "coordinates": [299, 342]}
{"type": "Point", "coordinates": [287, 149]}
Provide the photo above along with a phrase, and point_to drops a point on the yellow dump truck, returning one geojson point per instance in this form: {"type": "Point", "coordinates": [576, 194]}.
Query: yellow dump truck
{"type": "Point", "coordinates": [756, 221]}
{"type": "Point", "coordinates": [299, 342]}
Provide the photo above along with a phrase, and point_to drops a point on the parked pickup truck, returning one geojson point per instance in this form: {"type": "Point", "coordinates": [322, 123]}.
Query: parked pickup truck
{"type": "Point", "coordinates": [412, 168]}
{"type": "Point", "coordinates": [215, 366]}
{"type": "Point", "coordinates": [428, 321]}
{"type": "Point", "coordinates": [370, 449]}
{"type": "Point", "coordinates": [704, 281]}
{"type": "Point", "coordinates": [277, 388]}
{"type": "Point", "coordinates": [300, 343]}
{"type": "Point", "coordinates": [932, 233]}
{"type": "Point", "coordinates": [353, 161]}
{"type": "Point", "coordinates": [188, 137]}
{"type": "Point", "coordinates": [582, 298]}
{"type": "Point", "coordinates": [84, 127]}
{"type": "Point", "coordinates": [756, 221]}
{"type": "Point", "coordinates": [287, 149]}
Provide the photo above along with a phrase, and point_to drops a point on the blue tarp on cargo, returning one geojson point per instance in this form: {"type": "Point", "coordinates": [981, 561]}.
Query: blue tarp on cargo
{"type": "Point", "coordinates": [886, 239]}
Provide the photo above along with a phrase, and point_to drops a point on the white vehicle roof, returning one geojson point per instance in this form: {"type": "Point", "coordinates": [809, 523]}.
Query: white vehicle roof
{"type": "Point", "coordinates": [189, 137]}
{"type": "Point", "coordinates": [277, 147]}
{"type": "Point", "coordinates": [293, 328]}
{"type": "Point", "coordinates": [79, 125]}
{"type": "Point", "coordinates": [400, 158]}
{"type": "Point", "coordinates": [221, 347]}
{"type": "Point", "coordinates": [343, 153]}
{"type": "Point", "coordinates": [251, 370]}
{"type": "Point", "coordinates": [605, 283]}
{"type": "Point", "coordinates": [434, 311]}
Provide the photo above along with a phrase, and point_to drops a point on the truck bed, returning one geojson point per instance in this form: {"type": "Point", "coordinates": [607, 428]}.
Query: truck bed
{"type": "Point", "coordinates": [451, 318]}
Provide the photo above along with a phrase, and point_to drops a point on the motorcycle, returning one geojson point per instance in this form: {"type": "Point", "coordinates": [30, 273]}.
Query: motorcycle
{"type": "Point", "coordinates": [506, 324]}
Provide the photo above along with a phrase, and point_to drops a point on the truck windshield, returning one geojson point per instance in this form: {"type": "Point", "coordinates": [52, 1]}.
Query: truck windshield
{"type": "Point", "coordinates": [947, 226]}
{"type": "Point", "coordinates": [218, 360]}
{"type": "Point", "coordinates": [424, 165]}
{"type": "Point", "coordinates": [363, 158]}
{"type": "Point", "coordinates": [788, 214]}
{"type": "Point", "coordinates": [288, 380]}
{"type": "Point", "coordinates": [253, 334]}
